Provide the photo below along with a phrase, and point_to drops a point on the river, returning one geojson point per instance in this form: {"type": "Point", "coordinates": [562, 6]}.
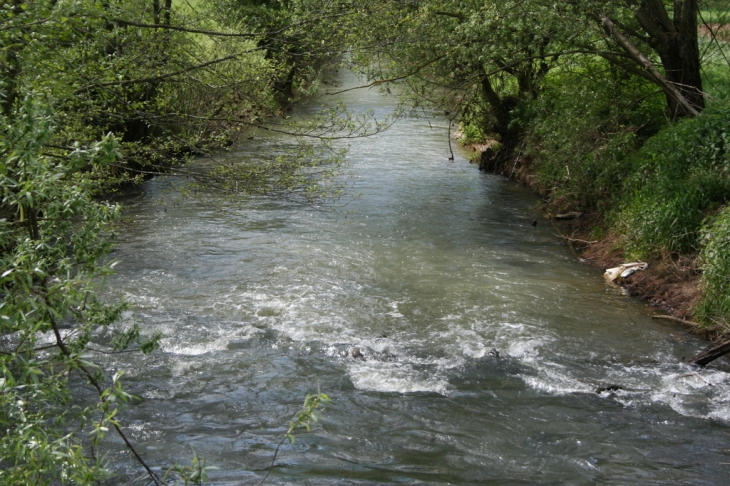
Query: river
{"type": "Point", "coordinates": [485, 339]}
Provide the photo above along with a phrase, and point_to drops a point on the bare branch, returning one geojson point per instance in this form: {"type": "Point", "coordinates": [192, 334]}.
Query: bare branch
{"type": "Point", "coordinates": [211, 33]}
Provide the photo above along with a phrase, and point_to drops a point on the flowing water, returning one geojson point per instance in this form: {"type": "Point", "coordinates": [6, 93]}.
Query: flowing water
{"type": "Point", "coordinates": [485, 339]}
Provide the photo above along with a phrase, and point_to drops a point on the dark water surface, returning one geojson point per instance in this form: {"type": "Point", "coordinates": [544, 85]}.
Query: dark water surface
{"type": "Point", "coordinates": [485, 339]}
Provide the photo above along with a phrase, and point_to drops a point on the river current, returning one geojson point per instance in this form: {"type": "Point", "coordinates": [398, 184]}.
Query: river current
{"type": "Point", "coordinates": [485, 340]}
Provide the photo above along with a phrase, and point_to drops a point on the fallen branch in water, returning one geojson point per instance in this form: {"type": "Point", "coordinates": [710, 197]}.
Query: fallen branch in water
{"type": "Point", "coordinates": [712, 352]}
{"type": "Point", "coordinates": [569, 215]}
{"type": "Point", "coordinates": [572, 240]}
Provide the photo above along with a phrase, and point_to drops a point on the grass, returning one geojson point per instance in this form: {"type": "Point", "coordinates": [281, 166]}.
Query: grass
{"type": "Point", "coordinates": [600, 142]}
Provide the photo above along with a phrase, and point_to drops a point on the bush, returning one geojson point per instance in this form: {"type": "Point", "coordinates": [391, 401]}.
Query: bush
{"type": "Point", "coordinates": [675, 180]}
{"type": "Point", "coordinates": [585, 123]}
{"type": "Point", "coordinates": [715, 257]}
{"type": "Point", "coordinates": [55, 238]}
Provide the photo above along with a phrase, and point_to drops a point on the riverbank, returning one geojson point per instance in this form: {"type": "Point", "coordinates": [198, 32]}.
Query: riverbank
{"type": "Point", "coordinates": [470, 320]}
{"type": "Point", "coordinates": [672, 284]}
{"type": "Point", "coordinates": [674, 287]}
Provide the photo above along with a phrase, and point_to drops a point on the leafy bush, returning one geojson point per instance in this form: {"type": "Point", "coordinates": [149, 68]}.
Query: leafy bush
{"type": "Point", "coordinates": [471, 133]}
{"type": "Point", "coordinates": [715, 257]}
{"type": "Point", "coordinates": [587, 120]}
{"type": "Point", "coordinates": [675, 179]}
{"type": "Point", "coordinates": [54, 237]}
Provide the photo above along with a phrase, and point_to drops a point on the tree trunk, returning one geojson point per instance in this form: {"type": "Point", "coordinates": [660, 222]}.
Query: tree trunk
{"type": "Point", "coordinates": [10, 67]}
{"type": "Point", "coordinates": [496, 104]}
{"type": "Point", "coordinates": [166, 13]}
{"type": "Point", "coordinates": [649, 71]}
{"type": "Point", "coordinates": [675, 41]}
{"type": "Point", "coordinates": [681, 60]}
{"type": "Point", "coordinates": [501, 107]}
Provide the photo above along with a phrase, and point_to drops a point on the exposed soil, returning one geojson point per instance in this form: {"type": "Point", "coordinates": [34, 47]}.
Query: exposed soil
{"type": "Point", "coordinates": [673, 286]}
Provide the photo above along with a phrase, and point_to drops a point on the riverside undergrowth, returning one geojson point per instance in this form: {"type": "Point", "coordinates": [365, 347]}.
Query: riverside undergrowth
{"type": "Point", "coordinates": [661, 190]}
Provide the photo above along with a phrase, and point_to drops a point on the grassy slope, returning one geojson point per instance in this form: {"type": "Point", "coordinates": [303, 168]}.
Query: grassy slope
{"type": "Point", "coordinates": [650, 191]}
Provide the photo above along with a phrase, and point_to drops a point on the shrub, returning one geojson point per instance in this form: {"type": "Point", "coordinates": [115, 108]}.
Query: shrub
{"type": "Point", "coordinates": [585, 123]}
{"type": "Point", "coordinates": [675, 180]}
{"type": "Point", "coordinates": [715, 258]}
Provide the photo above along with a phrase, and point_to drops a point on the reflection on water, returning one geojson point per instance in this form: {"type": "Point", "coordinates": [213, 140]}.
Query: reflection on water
{"type": "Point", "coordinates": [485, 341]}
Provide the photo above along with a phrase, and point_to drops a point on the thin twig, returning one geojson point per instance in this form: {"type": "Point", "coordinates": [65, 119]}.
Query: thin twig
{"type": "Point", "coordinates": [448, 133]}
{"type": "Point", "coordinates": [677, 319]}
{"type": "Point", "coordinates": [85, 372]}
{"type": "Point", "coordinates": [273, 459]}
{"type": "Point", "coordinates": [577, 240]}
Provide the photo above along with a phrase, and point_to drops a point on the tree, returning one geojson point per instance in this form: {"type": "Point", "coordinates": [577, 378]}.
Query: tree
{"type": "Point", "coordinates": [508, 35]}
{"type": "Point", "coordinates": [478, 60]}
{"type": "Point", "coordinates": [54, 237]}
{"type": "Point", "coordinates": [489, 58]}
{"type": "Point", "coordinates": [652, 33]}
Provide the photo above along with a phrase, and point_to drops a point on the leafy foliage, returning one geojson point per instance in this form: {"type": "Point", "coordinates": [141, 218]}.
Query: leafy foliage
{"type": "Point", "coordinates": [308, 415]}
{"type": "Point", "coordinates": [714, 309]}
{"type": "Point", "coordinates": [95, 94]}
{"type": "Point", "coordinates": [588, 119]}
{"type": "Point", "coordinates": [54, 237]}
{"type": "Point", "coordinates": [195, 473]}
{"type": "Point", "coordinates": [676, 179]}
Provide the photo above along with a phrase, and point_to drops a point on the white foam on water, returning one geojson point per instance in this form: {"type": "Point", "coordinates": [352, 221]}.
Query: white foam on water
{"type": "Point", "coordinates": [689, 392]}
{"type": "Point", "coordinates": [526, 349]}
{"type": "Point", "coordinates": [474, 350]}
{"type": "Point", "coordinates": [394, 312]}
{"type": "Point", "coordinates": [157, 394]}
{"type": "Point", "coordinates": [169, 346]}
{"type": "Point", "coordinates": [552, 380]}
{"type": "Point", "coordinates": [695, 393]}
{"type": "Point", "coordinates": [318, 312]}
{"type": "Point", "coordinates": [143, 300]}
{"type": "Point", "coordinates": [390, 377]}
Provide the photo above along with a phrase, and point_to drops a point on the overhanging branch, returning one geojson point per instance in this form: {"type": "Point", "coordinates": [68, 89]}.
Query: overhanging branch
{"type": "Point", "coordinates": [152, 79]}
{"type": "Point", "coordinates": [642, 61]}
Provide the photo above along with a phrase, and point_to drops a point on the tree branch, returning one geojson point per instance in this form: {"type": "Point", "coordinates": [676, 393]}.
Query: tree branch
{"type": "Point", "coordinates": [378, 82]}
{"type": "Point", "coordinates": [460, 17]}
{"type": "Point", "coordinates": [641, 60]}
{"type": "Point", "coordinates": [82, 369]}
{"type": "Point", "coordinates": [211, 33]}
{"type": "Point", "coordinates": [152, 79]}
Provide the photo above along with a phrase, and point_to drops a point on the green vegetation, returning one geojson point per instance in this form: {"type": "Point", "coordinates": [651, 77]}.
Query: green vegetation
{"type": "Point", "coordinates": [54, 237]}
{"type": "Point", "coordinates": [715, 257]}
{"type": "Point", "coordinates": [675, 180]}
{"type": "Point", "coordinates": [308, 415]}
{"type": "Point", "coordinates": [621, 109]}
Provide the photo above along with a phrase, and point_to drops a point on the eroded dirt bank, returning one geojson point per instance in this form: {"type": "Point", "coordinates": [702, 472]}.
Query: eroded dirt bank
{"type": "Point", "coordinates": [673, 287]}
